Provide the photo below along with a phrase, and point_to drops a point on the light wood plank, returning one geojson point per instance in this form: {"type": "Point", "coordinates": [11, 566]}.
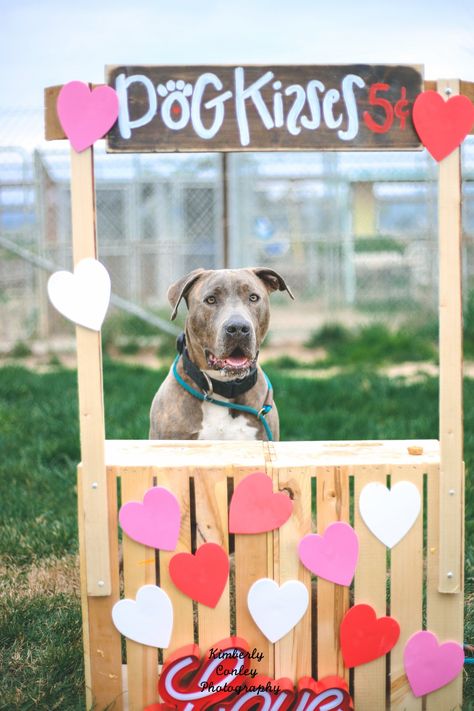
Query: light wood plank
{"type": "Point", "coordinates": [253, 559]}
{"type": "Point", "coordinates": [450, 364]}
{"type": "Point", "coordinates": [138, 570]}
{"type": "Point", "coordinates": [89, 378]}
{"type": "Point", "coordinates": [101, 641]}
{"type": "Point", "coordinates": [293, 652]}
{"type": "Point", "coordinates": [370, 588]}
{"type": "Point", "coordinates": [445, 613]}
{"type": "Point", "coordinates": [212, 526]}
{"type": "Point", "coordinates": [177, 480]}
{"type": "Point", "coordinates": [332, 496]}
{"type": "Point", "coordinates": [406, 594]}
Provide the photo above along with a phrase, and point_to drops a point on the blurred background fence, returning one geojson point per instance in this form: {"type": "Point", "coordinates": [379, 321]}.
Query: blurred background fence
{"type": "Point", "coordinates": [355, 234]}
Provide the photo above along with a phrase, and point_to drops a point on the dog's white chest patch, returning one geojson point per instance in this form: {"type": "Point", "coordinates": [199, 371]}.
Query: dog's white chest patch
{"type": "Point", "coordinates": [218, 423]}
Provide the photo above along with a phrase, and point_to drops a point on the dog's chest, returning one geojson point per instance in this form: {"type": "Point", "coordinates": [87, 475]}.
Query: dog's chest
{"type": "Point", "coordinates": [218, 423]}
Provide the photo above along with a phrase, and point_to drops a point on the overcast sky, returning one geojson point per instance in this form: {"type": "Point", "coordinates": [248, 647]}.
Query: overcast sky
{"type": "Point", "coordinates": [46, 42]}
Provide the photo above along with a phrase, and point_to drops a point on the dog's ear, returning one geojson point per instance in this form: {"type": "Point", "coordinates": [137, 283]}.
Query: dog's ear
{"type": "Point", "coordinates": [272, 280]}
{"type": "Point", "coordinates": [181, 288]}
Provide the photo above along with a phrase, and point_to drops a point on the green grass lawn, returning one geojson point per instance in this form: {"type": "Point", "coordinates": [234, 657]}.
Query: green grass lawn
{"type": "Point", "coordinates": [40, 628]}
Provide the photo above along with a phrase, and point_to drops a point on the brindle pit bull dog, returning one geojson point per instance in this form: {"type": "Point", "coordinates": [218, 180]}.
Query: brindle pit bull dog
{"type": "Point", "coordinates": [228, 318]}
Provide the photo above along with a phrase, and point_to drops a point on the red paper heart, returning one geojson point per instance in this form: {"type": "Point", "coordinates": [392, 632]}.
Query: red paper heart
{"type": "Point", "coordinates": [86, 115]}
{"type": "Point", "coordinates": [255, 508]}
{"type": "Point", "coordinates": [442, 125]}
{"type": "Point", "coordinates": [364, 637]}
{"type": "Point", "coordinates": [202, 576]}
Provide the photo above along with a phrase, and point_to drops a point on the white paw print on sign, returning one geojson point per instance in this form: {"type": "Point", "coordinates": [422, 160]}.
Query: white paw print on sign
{"type": "Point", "coordinates": [175, 109]}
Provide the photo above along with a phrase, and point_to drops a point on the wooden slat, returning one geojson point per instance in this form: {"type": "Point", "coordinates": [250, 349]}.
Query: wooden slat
{"type": "Point", "coordinates": [444, 612]}
{"type": "Point", "coordinates": [293, 652]}
{"type": "Point", "coordinates": [212, 526]}
{"type": "Point", "coordinates": [332, 496]}
{"type": "Point", "coordinates": [370, 588]}
{"type": "Point", "coordinates": [450, 364]}
{"type": "Point", "coordinates": [138, 570]}
{"type": "Point", "coordinates": [253, 559]}
{"type": "Point", "coordinates": [406, 594]}
{"type": "Point", "coordinates": [101, 641]}
{"type": "Point", "coordinates": [89, 378]}
{"type": "Point", "coordinates": [177, 480]}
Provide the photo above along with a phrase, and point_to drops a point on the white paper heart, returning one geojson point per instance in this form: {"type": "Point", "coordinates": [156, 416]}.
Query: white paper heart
{"type": "Point", "coordinates": [82, 297]}
{"type": "Point", "coordinates": [276, 610]}
{"type": "Point", "coordinates": [148, 619]}
{"type": "Point", "coordinates": [389, 513]}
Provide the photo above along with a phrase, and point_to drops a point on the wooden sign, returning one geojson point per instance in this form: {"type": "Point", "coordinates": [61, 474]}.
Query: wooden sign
{"type": "Point", "coordinates": [264, 108]}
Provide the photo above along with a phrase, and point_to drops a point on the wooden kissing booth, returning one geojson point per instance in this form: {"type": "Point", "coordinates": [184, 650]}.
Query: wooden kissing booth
{"type": "Point", "coordinates": [415, 578]}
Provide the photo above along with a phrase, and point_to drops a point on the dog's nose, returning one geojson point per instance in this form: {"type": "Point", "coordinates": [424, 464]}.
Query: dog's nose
{"type": "Point", "coordinates": [237, 328]}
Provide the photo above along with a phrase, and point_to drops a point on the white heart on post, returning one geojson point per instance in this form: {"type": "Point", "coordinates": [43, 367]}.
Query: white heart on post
{"type": "Point", "coordinates": [276, 610]}
{"type": "Point", "coordinates": [389, 513]}
{"type": "Point", "coordinates": [82, 297]}
{"type": "Point", "coordinates": [146, 620]}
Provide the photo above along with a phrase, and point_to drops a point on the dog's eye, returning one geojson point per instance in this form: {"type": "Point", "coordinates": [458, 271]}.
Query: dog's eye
{"type": "Point", "coordinates": [254, 297]}
{"type": "Point", "coordinates": [210, 300]}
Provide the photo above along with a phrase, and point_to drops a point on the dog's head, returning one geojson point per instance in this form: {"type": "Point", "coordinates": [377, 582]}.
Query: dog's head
{"type": "Point", "coordinates": [228, 316]}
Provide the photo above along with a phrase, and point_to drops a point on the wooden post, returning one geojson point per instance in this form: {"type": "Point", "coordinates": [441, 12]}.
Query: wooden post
{"type": "Point", "coordinates": [450, 366]}
{"type": "Point", "coordinates": [91, 402]}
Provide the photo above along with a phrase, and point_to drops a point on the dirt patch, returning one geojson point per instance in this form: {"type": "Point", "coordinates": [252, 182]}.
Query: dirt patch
{"type": "Point", "coordinates": [52, 576]}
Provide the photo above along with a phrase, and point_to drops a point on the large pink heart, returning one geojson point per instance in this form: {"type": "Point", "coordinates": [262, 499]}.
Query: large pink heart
{"type": "Point", "coordinates": [430, 665]}
{"type": "Point", "coordinates": [86, 115]}
{"type": "Point", "coordinates": [155, 522]}
{"type": "Point", "coordinates": [332, 556]}
{"type": "Point", "coordinates": [255, 508]}
{"type": "Point", "coordinates": [442, 125]}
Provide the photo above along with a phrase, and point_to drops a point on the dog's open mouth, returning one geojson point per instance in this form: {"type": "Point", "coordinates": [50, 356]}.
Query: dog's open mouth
{"type": "Point", "coordinates": [236, 363]}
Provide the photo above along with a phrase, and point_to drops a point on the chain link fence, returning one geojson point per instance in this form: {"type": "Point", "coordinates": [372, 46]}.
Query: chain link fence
{"type": "Point", "coordinates": [355, 234]}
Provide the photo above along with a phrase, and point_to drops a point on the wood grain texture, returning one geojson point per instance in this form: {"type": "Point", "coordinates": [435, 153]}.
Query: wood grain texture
{"type": "Point", "coordinates": [370, 586]}
{"type": "Point", "coordinates": [328, 114]}
{"type": "Point", "coordinates": [450, 366]}
{"type": "Point", "coordinates": [101, 640]}
{"type": "Point", "coordinates": [90, 389]}
{"type": "Point", "coordinates": [445, 613]}
{"type": "Point", "coordinates": [293, 653]}
{"type": "Point", "coordinates": [212, 526]}
{"type": "Point", "coordinates": [253, 559]}
{"type": "Point", "coordinates": [332, 504]}
{"type": "Point", "coordinates": [138, 570]}
{"type": "Point", "coordinates": [176, 479]}
{"type": "Point", "coordinates": [406, 594]}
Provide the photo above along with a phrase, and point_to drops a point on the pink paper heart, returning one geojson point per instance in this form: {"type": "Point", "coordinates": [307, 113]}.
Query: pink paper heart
{"type": "Point", "coordinates": [430, 665]}
{"type": "Point", "coordinates": [332, 556]}
{"type": "Point", "coordinates": [86, 115]}
{"type": "Point", "coordinates": [155, 522]}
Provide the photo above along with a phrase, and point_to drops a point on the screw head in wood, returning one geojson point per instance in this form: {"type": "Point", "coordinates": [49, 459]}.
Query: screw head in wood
{"type": "Point", "coordinates": [100, 583]}
{"type": "Point", "coordinates": [95, 485]}
{"type": "Point", "coordinates": [450, 575]}
{"type": "Point", "coordinates": [448, 91]}
{"type": "Point", "coordinates": [451, 492]}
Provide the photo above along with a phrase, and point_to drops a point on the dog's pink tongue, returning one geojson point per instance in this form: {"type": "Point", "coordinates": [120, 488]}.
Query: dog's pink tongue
{"type": "Point", "coordinates": [237, 361]}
